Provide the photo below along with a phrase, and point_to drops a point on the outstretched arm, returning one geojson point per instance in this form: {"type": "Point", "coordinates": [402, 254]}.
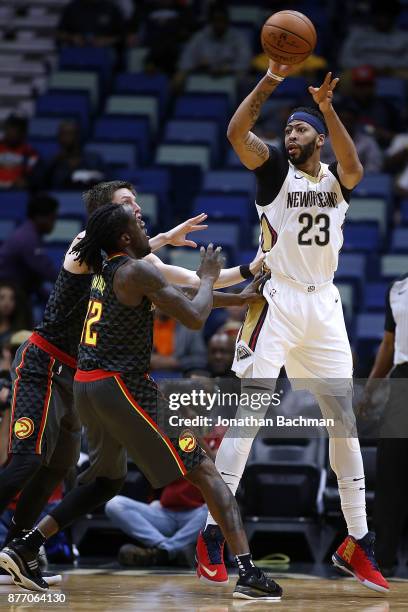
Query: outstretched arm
{"type": "Point", "coordinates": [349, 166]}
{"type": "Point", "coordinates": [251, 150]}
{"type": "Point", "coordinates": [140, 278]}
{"type": "Point", "coordinates": [177, 235]}
{"type": "Point", "coordinates": [181, 276]}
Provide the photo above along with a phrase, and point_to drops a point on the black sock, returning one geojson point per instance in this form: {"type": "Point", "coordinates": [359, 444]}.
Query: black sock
{"type": "Point", "coordinates": [34, 539]}
{"type": "Point", "coordinates": [14, 532]}
{"type": "Point", "coordinates": [245, 563]}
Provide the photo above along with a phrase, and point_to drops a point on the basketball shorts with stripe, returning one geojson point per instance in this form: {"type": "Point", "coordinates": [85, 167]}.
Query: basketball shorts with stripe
{"type": "Point", "coordinates": [43, 417]}
{"type": "Point", "coordinates": [122, 417]}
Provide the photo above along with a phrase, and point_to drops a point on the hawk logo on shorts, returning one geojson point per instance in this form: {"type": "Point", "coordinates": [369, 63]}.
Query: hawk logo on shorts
{"type": "Point", "coordinates": [242, 353]}
{"type": "Point", "coordinates": [23, 428]}
{"type": "Point", "coordinates": [187, 441]}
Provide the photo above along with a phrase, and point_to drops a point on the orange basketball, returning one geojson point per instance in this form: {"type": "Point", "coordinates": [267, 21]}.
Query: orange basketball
{"type": "Point", "coordinates": [288, 37]}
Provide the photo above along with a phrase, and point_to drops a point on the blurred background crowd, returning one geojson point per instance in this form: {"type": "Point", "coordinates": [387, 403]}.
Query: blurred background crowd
{"type": "Point", "coordinates": [142, 90]}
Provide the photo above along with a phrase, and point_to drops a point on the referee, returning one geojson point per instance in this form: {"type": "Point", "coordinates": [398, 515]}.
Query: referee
{"type": "Point", "coordinates": [390, 504]}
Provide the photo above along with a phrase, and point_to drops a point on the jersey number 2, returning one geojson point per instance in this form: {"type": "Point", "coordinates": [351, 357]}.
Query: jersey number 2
{"type": "Point", "coordinates": [323, 223]}
{"type": "Point", "coordinates": [90, 336]}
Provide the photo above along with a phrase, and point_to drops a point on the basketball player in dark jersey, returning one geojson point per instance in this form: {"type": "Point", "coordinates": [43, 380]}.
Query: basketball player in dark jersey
{"type": "Point", "coordinates": [118, 402]}
{"type": "Point", "coordinates": [45, 429]}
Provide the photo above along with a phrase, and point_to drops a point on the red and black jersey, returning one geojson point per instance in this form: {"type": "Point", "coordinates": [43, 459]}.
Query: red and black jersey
{"type": "Point", "coordinates": [65, 313]}
{"type": "Point", "coordinates": [115, 337]}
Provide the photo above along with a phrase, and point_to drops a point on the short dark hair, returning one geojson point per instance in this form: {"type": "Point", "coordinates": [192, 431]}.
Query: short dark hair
{"type": "Point", "coordinates": [41, 204]}
{"type": "Point", "coordinates": [312, 111]}
{"type": "Point", "coordinates": [103, 230]}
{"type": "Point", "coordinates": [102, 193]}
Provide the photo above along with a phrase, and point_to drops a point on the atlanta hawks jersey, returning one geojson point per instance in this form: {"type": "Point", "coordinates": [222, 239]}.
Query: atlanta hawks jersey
{"type": "Point", "coordinates": [301, 219]}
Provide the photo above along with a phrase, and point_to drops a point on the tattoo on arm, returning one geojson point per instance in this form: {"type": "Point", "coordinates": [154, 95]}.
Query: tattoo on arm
{"type": "Point", "coordinates": [253, 144]}
{"type": "Point", "coordinates": [256, 105]}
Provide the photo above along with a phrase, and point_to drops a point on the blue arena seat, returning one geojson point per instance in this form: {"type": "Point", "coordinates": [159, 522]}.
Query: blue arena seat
{"type": "Point", "coordinates": [46, 148]}
{"type": "Point", "coordinates": [374, 296]}
{"type": "Point", "coordinates": [232, 160]}
{"type": "Point", "coordinates": [230, 181]}
{"type": "Point", "coordinates": [222, 234]}
{"type": "Point", "coordinates": [399, 240]}
{"type": "Point", "coordinates": [364, 236]}
{"type": "Point", "coordinates": [57, 253]}
{"type": "Point", "coordinates": [370, 326]}
{"type": "Point", "coordinates": [65, 231]}
{"type": "Point", "coordinates": [352, 268]}
{"type": "Point", "coordinates": [222, 207]}
{"type": "Point", "coordinates": [70, 203]}
{"type": "Point", "coordinates": [295, 87]}
{"type": "Point", "coordinates": [141, 83]}
{"type": "Point", "coordinates": [75, 105]}
{"type": "Point", "coordinates": [45, 127]}
{"type": "Point", "coordinates": [114, 153]}
{"type": "Point", "coordinates": [153, 179]}
{"type": "Point", "coordinates": [13, 204]}
{"type": "Point", "coordinates": [194, 132]}
{"type": "Point", "coordinates": [375, 185]}
{"type": "Point", "coordinates": [88, 58]}
{"type": "Point", "coordinates": [124, 129]}
{"type": "Point", "coordinates": [202, 106]}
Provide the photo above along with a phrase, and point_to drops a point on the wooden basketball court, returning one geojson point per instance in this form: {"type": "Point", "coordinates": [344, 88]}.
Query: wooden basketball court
{"type": "Point", "coordinates": [147, 591]}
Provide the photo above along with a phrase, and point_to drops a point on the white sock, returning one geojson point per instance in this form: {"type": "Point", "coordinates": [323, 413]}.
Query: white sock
{"type": "Point", "coordinates": [231, 459]}
{"type": "Point", "coordinates": [347, 463]}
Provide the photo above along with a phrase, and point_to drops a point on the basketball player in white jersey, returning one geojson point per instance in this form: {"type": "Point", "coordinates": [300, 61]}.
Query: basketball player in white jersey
{"type": "Point", "coordinates": [301, 204]}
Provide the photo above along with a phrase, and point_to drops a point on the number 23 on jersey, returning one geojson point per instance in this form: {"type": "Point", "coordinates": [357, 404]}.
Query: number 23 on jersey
{"type": "Point", "coordinates": [94, 313]}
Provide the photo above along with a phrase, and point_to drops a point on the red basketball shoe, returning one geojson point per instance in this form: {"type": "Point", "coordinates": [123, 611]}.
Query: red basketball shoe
{"type": "Point", "coordinates": [210, 556]}
{"type": "Point", "coordinates": [356, 557]}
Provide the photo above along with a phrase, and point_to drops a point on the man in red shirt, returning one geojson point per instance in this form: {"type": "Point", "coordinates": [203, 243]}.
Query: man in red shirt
{"type": "Point", "coordinates": [17, 157]}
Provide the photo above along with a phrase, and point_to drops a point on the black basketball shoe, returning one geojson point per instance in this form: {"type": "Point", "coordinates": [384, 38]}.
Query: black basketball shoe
{"type": "Point", "coordinates": [21, 563]}
{"type": "Point", "coordinates": [257, 585]}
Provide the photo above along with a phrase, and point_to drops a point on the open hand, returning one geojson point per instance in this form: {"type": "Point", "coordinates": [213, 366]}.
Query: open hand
{"type": "Point", "coordinates": [211, 262]}
{"type": "Point", "coordinates": [323, 95]}
{"type": "Point", "coordinates": [177, 235]}
{"type": "Point", "coordinates": [282, 70]}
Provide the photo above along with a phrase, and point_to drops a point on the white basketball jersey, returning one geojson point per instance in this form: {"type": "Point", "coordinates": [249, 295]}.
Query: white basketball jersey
{"type": "Point", "coordinates": [301, 219]}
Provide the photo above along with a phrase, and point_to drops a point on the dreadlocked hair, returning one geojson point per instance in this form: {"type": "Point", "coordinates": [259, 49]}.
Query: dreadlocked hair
{"type": "Point", "coordinates": [102, 193]}
{"type": "Point", "coordinates": [103, 230]}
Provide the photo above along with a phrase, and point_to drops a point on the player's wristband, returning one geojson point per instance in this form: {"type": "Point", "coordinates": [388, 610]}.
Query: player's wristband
{"type": "Point", "coordinates": [275, 77]}
{"type": "Point", "coordinates": [245, 271]}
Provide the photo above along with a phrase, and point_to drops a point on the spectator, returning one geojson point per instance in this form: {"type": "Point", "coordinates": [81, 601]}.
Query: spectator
{"type": "Point", "coordinates": [381, 44]}
{"type": "Point", "coordinates": [221, 349]}
{"type": "Point", "coordinates": [72, 167]}
{"type": "Point", "coordinates": [175, 347]}
{"type": "Point", "coordinates": [22, 257]}
{"type": "Point", "coordinates": [17, 157]}
{"type": "Point", "coordinates": [166, 527]}
{"type": "Point", "coordinates": [377, 115]}
{"type": "Point", "coordinates": [96, 23]}
{"type": "Point", "coordinates": [11, 313]}
{"type": "Point", "coordinates": [217, 49]}
{"type": "Point", "coordinates": [368, 150]}
{"type": "Point", "coordinates": [163, 26]}
{"type": "Point", "coordinates": [396, 161]}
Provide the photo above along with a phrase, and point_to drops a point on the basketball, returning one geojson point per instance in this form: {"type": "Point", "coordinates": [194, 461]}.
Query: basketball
{"type": "Point", "coordinates": [288, 37]}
